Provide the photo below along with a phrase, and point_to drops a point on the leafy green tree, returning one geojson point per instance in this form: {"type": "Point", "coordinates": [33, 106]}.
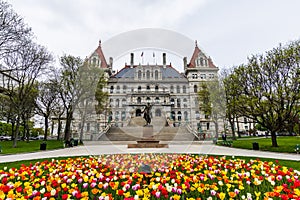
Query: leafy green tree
{"type": "Point", "coordinates": [231, 94]}
{"type": "Point", "coordinates": [268, 87]}
{"type": "Point", "coordinates": [212, 103]}
{"type": "Point", "coordinates": [90, 74]}
{"type": "Point", "coordinates": [101, 97]}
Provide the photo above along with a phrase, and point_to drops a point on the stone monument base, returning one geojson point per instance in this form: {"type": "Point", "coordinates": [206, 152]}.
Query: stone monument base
{"type": "Point", "coordinates": [148, 141]}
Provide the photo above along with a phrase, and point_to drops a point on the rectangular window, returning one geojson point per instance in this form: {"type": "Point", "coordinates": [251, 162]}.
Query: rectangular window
{"type": "Point", "coordinates": [211, 76]}
{"type": "Point", "coordinates": [202, 76]}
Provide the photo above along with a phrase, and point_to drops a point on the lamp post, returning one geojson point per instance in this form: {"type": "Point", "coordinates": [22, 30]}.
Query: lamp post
{"type": "Point", "coordinates": [200, 131]}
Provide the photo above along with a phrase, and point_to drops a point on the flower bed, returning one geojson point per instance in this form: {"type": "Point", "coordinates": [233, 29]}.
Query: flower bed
{"type": "Point", "coordinates": [172, 176]}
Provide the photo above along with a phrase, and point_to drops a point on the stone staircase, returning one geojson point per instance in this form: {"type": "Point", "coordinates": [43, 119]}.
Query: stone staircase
{"type": "Point", "coordinates": [134, 131]}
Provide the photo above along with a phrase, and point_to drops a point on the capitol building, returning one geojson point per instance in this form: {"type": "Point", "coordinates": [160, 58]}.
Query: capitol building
{"type": "Point", "coordinates": [172, 94]}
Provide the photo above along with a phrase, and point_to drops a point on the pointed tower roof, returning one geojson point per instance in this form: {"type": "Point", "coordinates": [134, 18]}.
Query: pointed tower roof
{"type": "Point", "coordinates": [195, 55]}
{"type": "Point", "coordinates": [101, 56]}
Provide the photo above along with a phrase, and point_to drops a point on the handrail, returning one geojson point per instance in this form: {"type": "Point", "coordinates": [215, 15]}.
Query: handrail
{"type": "Point", "coordinates": [191, 130]}
{"type": "Point", "coordinates": [104, 131]}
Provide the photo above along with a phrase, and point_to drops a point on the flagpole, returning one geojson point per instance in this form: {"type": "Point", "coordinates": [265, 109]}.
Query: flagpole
{"type": "Point", "coordinates": [153, 58]}
{"type": "Point", "coordinates": [142, 55]}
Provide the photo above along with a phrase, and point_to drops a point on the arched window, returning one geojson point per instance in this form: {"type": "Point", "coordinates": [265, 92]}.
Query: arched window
{"type": "Point", "coordinates": [139, 88]}
{"type": "Point", "coordinates": [117, 103]}
{"type": "Point", "coordinates": [201, 61]}
{"type": "Point", "coordinates": [178, 103]}
{"type": "Point", "coordinates": [124, 88]}
{"type": "Point", "coordinates": [148, 74]}
{"type": "Point", "coordinates": [148, 100]}
{"type": "Point", "coordinates": [139, 75]}
{"type": "Point", "coordinates": [184, 89]}
{"type": "Point", "coordinates": [156, 88]}
{"type": "Point", "coordinates": [123, 102]}
{"type": "Point", "coordinates": [118, 89]}
{"type": "Point", "coordinates": [195, 88]}
{"type": "Point", "coordinates": [94, 61]}
{"type": "Point", "coordinates": [196, 102]}
{"type": "Point", "coordinates": [197, 115]}
{"type": "Point", "coordinates": [111, 89]}
{"type": "Point", "coordinates": [156, 99]}
{"type": "Point", "coordinates": [110, 117]}
{"type": "Point", "coordinates": [139, 100]}
{"type": "Point", "coordinates": [185, 102]}
{"type": "Point", "coordinates": [178, 89]}
{"type": "Point", "coordinates": [148, 87]}
{"type": "Point", "coordinates": [172, 102]}
{"type": "Point", "coordinates": [179, 116]}
{"type": "Point", "coordinates": [186, 118]}
{"type": "Point", "coordinates": [157, 112]}
{"type": "Point", "coordinates": [173, 115]}
{"type": "Point", "coordinates": [117, 116]}
{"type": "Point", "coordinates": [156, 75]}
{"type": "Point", "coordinates": [111, 102]}
{"type": "Point", "coordinates": [172, 89]}
{"type": "Point", "coordinates": [123, 115]}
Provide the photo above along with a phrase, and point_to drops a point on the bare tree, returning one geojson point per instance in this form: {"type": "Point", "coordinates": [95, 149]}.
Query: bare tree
{"type": "Point", "coordinates": [30, 61]}
{"type": "Point", "coordinates": [70, 90]}
{"type": "Point", "coordinates": [46, 101]}
{"type": "Point", "coordinates": [13, 32]}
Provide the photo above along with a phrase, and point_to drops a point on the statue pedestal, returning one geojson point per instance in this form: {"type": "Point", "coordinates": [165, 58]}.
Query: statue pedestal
{"type": "Point", "coordinates": [148, 140]}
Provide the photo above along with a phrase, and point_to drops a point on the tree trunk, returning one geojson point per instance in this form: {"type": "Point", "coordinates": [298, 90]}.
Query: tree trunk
{"type": "Point", "coordinates": [83, 119]}
{"type": "Point", "coordinates": [52, 127]}
{"type": "Point", "coordinates": [46, 127]}
{"type": "Point", "coordinates": [217, 128]}
{"type": "Point", "coordinates": [58, 129]}
{"type": "Point", "coordinates": [274, 140]}
{"type": "Point", "coordinates": [68, 125]}
{"type": "Point", "coordinates": [16, 133]}
{"type": "Point", "coordinates": [26, 129]}
{"type": "Point", "coordinates": [238, 126]}
{"type": "Point", "coordinates": [231, 121]}
{"type": "Point", "coordinates": [13, 122]}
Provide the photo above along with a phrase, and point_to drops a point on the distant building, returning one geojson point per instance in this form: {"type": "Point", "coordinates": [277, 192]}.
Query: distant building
{"type": "Point", "coordinates": [173, 94]}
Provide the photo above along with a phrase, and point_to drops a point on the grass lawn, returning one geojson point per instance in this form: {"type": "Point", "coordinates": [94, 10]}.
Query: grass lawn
{"type": "Point", "coordinates": [286, 144]}
{"type": "Point", "coordinates": [31, 146]}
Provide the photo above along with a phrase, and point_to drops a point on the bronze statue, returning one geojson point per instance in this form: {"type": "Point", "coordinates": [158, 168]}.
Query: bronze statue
{"type": "Point", "coordinates": [146, 112]}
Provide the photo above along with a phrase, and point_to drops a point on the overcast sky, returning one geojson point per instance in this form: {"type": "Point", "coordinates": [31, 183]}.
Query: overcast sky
{"type": "Point", "coordinates": [227, 30]}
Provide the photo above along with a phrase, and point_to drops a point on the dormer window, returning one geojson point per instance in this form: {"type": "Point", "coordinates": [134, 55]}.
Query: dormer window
{"type": "Point", "coordinates": [201, 60]}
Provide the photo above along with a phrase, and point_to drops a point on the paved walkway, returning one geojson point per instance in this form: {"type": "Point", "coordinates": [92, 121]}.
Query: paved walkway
{"type": "Point", "coordinates": [98, 148]}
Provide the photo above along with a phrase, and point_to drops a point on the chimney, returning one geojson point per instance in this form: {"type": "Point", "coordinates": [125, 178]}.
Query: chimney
{"type": "Point", "coordinates": [131, 59]}
{"type": "Point", "coordinates": [164, 60]}
{"type": "Point", "coordinates": [110, 62]}
{"type": "Point", "coordinates": [185, 63]}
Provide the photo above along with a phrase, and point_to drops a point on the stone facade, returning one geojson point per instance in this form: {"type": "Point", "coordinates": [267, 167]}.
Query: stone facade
{"type": "Point", "coordinates": [172, 94]}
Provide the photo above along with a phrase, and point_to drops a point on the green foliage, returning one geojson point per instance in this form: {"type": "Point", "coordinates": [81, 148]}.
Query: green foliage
{"type": "Point", "coordinates": [204, 99]}
{"type": "Point", "coordinates": [260, 127]}
{"type": "Point", "coordinates": [266, 89]}
{"type": "Point", "coordinates": [37, 131]}
{"type": "Point", "coordinates": [26, 147]}
{"type": "Point", "coordinates": [286, 143]}
{"type": "Point", "coordinates": [101, 96]}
